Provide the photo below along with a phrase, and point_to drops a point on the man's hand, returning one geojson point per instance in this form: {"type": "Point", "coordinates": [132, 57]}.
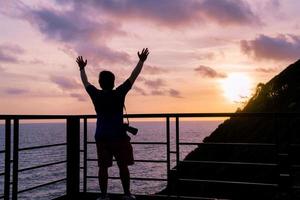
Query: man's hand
{"type": "Point", "coordinates": [143, 56]}
{"type": "Point", "coordinates": [81, 63]}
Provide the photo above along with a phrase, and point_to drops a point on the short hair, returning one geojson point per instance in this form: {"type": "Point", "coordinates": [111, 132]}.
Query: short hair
{"type": "Point", "coordinates": [106, 80]}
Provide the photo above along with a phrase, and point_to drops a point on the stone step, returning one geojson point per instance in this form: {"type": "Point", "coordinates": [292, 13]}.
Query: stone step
{"type": "Point", "coordinates": [226, 189]}
{"type": "Point", "coordinates": [235, 152]}
{"type": "Point", "coordinates": [228, 171]}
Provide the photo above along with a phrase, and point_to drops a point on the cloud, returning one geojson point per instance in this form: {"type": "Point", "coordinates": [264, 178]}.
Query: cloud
{"type": "Point", "coordinates": [140, 90]}
{"type": "Point", "coordinates": [65, 83]}
{"type": "Point", "coordinates": [85, 35]}
{"type": "Point", "coordinates": [208, 72]}
{"type": "Point", "coordinates": [158, 83]}
{"type": "Point", "coordinates": [158, 92]}
{"type": "Point", "coordinates": [157, 88]}
{"type": "Point", "coordinates": [79, 97]}
{"type": "Point", "coordinates": [153, 70]}
{"type": "Point", "coordinates": [176, 12]}
{"type": "Point", "coordinates": [265, 70]}
{"type": "Point", "coordinates": [281, 47]}
{"type": "Point", "coordinates": [229, 12]}
{"type": "Point", "coordinates": [208, 56]}
{"type": "Point", "coordinates": [70, 86]}
{"type": "Point", "coordinates": [9, 52]}
{"type": "Point", "coordinates": [174, 93]}
{"type": "Point", "coordinates": [16, 91]}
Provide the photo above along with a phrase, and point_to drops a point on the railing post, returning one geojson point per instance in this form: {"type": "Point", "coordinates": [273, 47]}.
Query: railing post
{"type": "Point", "coordinates": [177, 142]}
{"type": "Point", "coordinates": [7, 158]}
{"type": "Point", "coordinates": [15, 160]}
{"type": "Point", "coordinates": [168, 153]}
{"type": "Point", "coordinates": [85, 154]}
{"type": "Point", "coordinates": [73, 157]}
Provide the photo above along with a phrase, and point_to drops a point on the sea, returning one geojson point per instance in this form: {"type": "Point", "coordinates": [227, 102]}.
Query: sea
{"type": "Point", "coordinates": [44, 133]}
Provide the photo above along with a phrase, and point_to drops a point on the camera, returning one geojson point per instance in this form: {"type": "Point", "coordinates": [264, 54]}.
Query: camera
{"type": "Point", "coordinates": [130, 129]}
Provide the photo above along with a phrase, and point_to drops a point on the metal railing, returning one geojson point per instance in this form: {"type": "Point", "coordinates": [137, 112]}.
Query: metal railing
{"type": "Point", "coordinates": [73, 147]}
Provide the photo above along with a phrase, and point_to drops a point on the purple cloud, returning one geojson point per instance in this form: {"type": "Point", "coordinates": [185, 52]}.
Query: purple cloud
{"type": "Point", "coordinates": [9, 52]}
{"type": "Point", "coordinates": [176, 12]}
{"type": "Point", "coordinates": [158, 83]}
{"type": "Point", "coordinates": [16, 91]}
{"type": "Point", "coordinates": [157, 88]}
{"type": "Point", "coordinates": [140, 90]}
{"type": "Point", "coordinates": [158, 92]}
{"type": "Point", "coordinates": [229, 12]}
{"type": "Point", "coordinates": [281, 47]}
{"type": "Point", "coordinates": [208, 72]}
{"type": "Point", "coordinates": [65, 83]}
{"type": "Point", "coordinates": [79, 97]}
{"type": "Point", "coordinates": [86, 35]}
{"type": "Point", "coordinates": [153, 70]}
{"type": "Point", "coordinates": [174, 93]}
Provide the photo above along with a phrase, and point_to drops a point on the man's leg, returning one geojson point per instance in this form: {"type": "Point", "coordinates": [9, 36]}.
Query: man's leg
{"type": "Point", "coordinates": [103, 178]}
{"type": "Point", "coordinates": [104, 162]}
{"type": "Point", "coordinates": [125, 178]}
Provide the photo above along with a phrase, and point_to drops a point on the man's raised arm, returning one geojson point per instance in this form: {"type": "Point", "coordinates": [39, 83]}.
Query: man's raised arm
{"type": "Point", "coordinates": [135, 73]}
{"type": "Point", "coordinates": [82, 65]}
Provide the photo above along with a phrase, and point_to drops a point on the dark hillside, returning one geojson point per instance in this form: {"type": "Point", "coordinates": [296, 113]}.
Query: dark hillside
{"type": "Point", "coordinates": [280, 94]}
{"type": "Point", "coordinates": [241, 159]}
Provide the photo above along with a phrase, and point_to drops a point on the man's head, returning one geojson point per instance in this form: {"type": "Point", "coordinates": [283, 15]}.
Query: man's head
{"type": "Point", "coordinates": [106, 80]}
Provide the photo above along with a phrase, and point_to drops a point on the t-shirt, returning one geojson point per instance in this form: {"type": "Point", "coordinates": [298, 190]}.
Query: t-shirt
{"type": "Point", "coordinates": [109, 105]}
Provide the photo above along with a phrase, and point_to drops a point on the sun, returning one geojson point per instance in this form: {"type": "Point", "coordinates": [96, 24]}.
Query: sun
{"type": "Point", "coordinates": [237, 87]}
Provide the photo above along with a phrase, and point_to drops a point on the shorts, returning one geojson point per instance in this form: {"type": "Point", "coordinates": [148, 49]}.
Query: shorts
{"type": "Point", "coordinates": [120, 149]}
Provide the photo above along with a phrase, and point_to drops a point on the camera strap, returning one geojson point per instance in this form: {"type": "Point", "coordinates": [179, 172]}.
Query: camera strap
{"type": "Point", "coordinates": [126, 114]}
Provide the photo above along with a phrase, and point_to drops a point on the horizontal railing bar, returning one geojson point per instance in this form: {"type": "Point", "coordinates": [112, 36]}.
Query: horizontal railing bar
{"type": "Point", "coordinates": [42, 146]}
{"type": "Point", "coordinates": [43, 185]}
{"type": "Point", "coordinates": [295, 145]}
{"type": "Point", "coordinates": [228, 163]}
{"type": "Point", "coordinates": [230, 182]}
{"type": "Point", "coordinates": [41, 166]}
{"type": "Point", "coordinates": [160, 115]}
{"type": "Point", "coordinates": [297, 187]}
{"type": "Point", "coordinates": [190, 143]}
{"type": "Point", "coordinates": [295, 166]}
{"type": "Point", "coordinates": [132, 178]}
{"type": "Point", "coordinates": [2, 197]}
{"type": "Point", "coordinates": [150, 143]}
{"type": "Point", "coordinates": [159, 196]}
{"type": "Point", "coordinates": [150, 161]}
{"type": "Point", "coordinates": [201, 143]}
{"type": "Point", "coordinates": [224, 143]}
{"type": "Point", "coordinates": [2, 151]}
{"type": "Point", "coordinates": [145, 143]}
{"type": "Point", "coordinates": [3, 173]}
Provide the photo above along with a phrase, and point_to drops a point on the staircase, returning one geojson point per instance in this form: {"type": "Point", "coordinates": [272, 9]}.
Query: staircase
{"type": "Point", "coordinates": [239, 171]}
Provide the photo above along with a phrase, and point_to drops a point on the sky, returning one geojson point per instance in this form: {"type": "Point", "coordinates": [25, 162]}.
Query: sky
{"type": "Point", "coordinates": [205, 55]}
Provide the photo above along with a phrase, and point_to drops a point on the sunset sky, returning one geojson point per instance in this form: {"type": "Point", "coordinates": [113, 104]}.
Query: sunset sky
{"type": "Point", "coordinates": [205, 55]}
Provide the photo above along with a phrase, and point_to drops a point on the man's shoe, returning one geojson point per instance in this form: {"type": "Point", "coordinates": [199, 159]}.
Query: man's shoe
{"type": "Point", "coordinates": [129, 197]}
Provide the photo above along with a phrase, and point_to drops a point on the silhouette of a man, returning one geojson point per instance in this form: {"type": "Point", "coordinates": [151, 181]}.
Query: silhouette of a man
{"type": "Point", "coordinates": [111, 139]}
